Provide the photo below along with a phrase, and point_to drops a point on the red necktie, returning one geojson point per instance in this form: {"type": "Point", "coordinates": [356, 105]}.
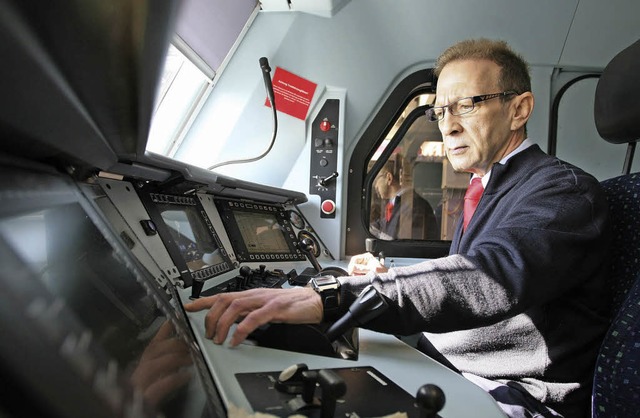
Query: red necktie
{"type": "Point", "coordinates": [389, 211]}
{"type": "Point", "coordinates": [471, 199]}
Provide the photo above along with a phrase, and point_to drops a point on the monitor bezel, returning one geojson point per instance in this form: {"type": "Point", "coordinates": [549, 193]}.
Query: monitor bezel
{"type": "Point", "coordinates": [152, 201]}
{"type": "Point", "coordinates": [229, 207]}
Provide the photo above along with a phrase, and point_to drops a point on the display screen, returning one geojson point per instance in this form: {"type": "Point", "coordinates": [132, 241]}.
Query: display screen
{"type": "Point", "coordinates": [188, 235]}
{"type": "Point", "coordinates": [259, 232]}
{"type": "Point", "coordinates": [126, 321]}
{"type": "Point", "coordinates": [195, 242]}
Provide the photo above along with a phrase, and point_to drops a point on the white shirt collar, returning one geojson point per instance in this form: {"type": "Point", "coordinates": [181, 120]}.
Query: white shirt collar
{"type": "Point", "coordinates": [523, 146]}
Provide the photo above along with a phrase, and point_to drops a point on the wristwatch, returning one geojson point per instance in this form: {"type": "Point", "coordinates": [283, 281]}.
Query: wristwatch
{"type": "Point", "coordinates": [328, 287]}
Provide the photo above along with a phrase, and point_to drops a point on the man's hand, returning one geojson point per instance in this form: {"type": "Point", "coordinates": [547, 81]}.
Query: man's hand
{"type": "Point", "coordinates": [164, 367]}
{"type": "Point", "coordinates": [365, 263]}
{"type": "Point", "coordinates": [254, 308]}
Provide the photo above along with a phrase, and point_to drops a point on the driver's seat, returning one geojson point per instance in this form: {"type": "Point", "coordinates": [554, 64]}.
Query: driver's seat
{"type": "Point", "coordinates": [616, 387]}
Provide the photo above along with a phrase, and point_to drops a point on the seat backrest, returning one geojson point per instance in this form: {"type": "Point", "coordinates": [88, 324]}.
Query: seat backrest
{"type": "Point", "coordinates": [616, 386]}
{"type": "Point", "coordinates": [623, 195]}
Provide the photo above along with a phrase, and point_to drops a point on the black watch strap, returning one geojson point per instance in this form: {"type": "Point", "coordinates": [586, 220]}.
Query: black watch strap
{"type": "Point", "coordinates": [329, 290]}
{"type": "Point", "coordinates": [330, 304]}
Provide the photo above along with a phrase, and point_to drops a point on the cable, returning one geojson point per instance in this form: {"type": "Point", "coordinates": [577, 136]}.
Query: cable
{"type": "Point", "coordinates": [264, 65]}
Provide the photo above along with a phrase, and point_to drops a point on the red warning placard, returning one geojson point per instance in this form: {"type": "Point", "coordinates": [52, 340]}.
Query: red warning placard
{"type": "Point", "coordinates": [292, 93]}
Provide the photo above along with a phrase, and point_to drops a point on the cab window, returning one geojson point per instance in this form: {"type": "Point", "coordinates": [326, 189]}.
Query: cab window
{"type": "Point", "coordinates": [414, 193]}
{"type": "Point", "coordinates": [403, 195]}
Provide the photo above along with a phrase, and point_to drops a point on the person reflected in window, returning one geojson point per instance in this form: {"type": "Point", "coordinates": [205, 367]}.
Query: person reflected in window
{"type": "Point", "coordinates": [405, 214]}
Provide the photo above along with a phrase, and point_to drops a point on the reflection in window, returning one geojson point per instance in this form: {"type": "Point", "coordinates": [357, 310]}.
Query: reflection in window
{"type": "Point", "coordinates": [415, 194]}
{"type": "Point", "coordinates": [106, 326]}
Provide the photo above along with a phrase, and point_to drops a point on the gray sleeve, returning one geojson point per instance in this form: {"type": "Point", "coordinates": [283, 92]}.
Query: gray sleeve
{"type": "Point", "coordinates": [437, 295]}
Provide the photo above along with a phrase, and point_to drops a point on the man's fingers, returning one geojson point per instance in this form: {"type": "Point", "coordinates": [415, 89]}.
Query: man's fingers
{"type": "Point", "coordinates": [298, 306]}
{"type": "Point", "coordinates": [228, 309]}
{"type": "Point", "coordinates": [365, 263]}
{"type": "Point", "coordinates": [358, 263]}
{"type": "Point", "coordinates": [254, 311]}
{"type": "Point", "coordinates": [250, 323]}
{"type": "Point", "coordinates": [212, 319]}
{"type": "Point", "coordinates": [254, 308]}
{"type": "Point", "coordinates": [200, 304]}
{"type": "Point", "coordinates": [164, 332]}
{"type": "Point", "coordinates": [360, 270]}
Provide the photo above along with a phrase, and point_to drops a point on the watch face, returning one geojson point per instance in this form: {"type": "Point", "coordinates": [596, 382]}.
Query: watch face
{"type": "Point", "coordinates": [325, 280]}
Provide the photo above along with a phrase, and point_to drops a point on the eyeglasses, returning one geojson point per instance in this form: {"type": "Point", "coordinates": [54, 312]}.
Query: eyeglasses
{"type": "Point", "coordinates": [462, 106]}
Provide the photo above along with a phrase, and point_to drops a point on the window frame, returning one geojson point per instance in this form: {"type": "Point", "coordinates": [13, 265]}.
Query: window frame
{"type": "Point", "coordinates": [361, 182]}
{"type": "Point", "coordinates": [609, 159]}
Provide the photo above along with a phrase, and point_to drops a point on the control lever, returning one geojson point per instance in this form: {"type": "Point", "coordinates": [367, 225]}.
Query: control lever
{"type": "Point", "coordinates": [196, 288]}
{"type": "Point", "coordinates": [242, 281]}
{"type": "Point", "coordinates": [430, 399]}
{"type": "Point", "coordinates": [309, 380]}
{"type": "Point", "coordinates": [324, 181]}
{"type": "Point", "coordinates": [369, 244]}
{"type": "Point", "coordinates": [370, 247]}
{"type": "Point", "coordinates": [333, 387]}
{"type": "Point", "coordinates": [367, 306]}
{"type": "Point", "coordinates": [291, 379]}
{"type": "Point", "coordinates": [307, 247]}
{"type": "Point", "coordinates": [298, 380]}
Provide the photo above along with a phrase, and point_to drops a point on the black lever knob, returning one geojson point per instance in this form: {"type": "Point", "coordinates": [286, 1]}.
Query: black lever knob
{"type": "Point", "coordinates": [196, 288]}
{"type": "Point", "coordinates": [245, 271]}
{"type": "Point", "coordinates": [244, 278]}
{"type": "Point", "coordinates": [368, 305]}
{"type": "Point", "coordinates": [324, 181]}
{"type": "Point", "coordinates": [333, 387]}
{"type": "Point", "coordinates": [291, 380]}
{"type": "Point", "coordinates": [307, 247]}
{"type": "Point", "coordinates": [430, 399]}
{"type": "Point", "coordinates": [309, 379]}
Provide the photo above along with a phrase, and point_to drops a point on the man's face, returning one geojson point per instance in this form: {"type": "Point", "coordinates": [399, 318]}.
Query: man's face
{"type": "Point", "coordinates": [381, 185]}
{"type": "Point", "coordinates": [476, 140]}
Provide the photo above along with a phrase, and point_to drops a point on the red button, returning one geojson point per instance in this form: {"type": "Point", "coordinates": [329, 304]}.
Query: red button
{"type": "Point", "coordinates": [325, 125]}
{"type": "Point", "coordinates": [328, 207]}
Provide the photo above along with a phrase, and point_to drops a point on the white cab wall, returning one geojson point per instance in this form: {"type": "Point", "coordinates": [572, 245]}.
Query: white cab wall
{"type": "Point", "coordinates": [367, 46]}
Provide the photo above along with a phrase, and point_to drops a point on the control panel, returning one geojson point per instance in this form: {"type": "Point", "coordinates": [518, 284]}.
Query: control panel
{"type": "Point", "coordinates": [248, 243]}
{"type": "Point", "coordinates": [336, 392]}
{"type": "Point", "coordinates": [249, 278]}
{"type": "Point", "coordinates": [324, 157]}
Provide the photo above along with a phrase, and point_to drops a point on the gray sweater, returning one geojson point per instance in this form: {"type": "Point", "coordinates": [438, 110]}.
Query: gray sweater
{"type": "Point", "coordinates": [522, 297]}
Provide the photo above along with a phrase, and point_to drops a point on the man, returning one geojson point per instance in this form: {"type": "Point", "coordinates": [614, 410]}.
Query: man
{"type": "Point", "coordinates": [520, 306]}
{"type": "Point", "coordinates": [405, 213]}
